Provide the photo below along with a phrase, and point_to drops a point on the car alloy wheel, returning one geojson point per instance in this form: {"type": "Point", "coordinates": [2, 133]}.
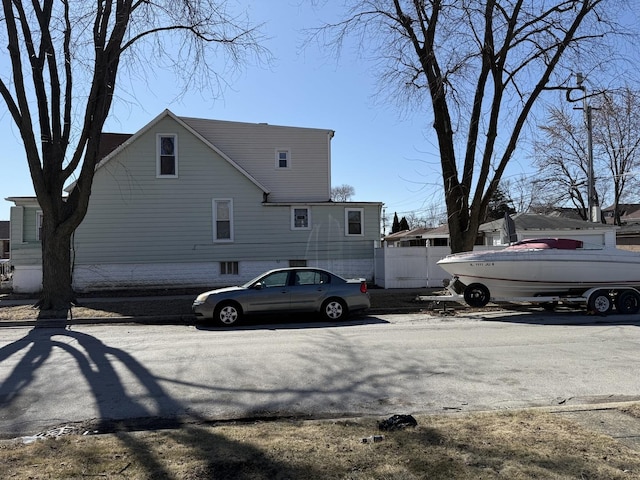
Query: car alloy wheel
{"type": "Point", "coordinates": [334, 309]}
{"type": "Point", "coordinates": [227, 314]}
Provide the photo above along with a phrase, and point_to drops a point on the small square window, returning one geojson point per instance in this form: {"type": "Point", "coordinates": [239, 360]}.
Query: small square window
{"type": "Point", "coordinates": [228, 268]}
{"type": "Point", "coordinates": [283, 159]}
{"type": "Point", "coordinates": [300, 218]}
{"type": "Point", "coordinates": [297, 263]}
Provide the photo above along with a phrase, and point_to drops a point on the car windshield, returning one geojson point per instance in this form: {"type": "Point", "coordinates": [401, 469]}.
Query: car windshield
{"type": "Point", "coordinates": [273, 279]}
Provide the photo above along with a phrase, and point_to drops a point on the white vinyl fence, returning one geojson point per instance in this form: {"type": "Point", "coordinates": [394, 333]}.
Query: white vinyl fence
{"type": "Point", "coordinates": [412, 267]}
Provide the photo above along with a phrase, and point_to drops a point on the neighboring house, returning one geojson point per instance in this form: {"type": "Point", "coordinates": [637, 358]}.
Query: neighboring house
{"type": "Point", "coordinates": [5, 243]}
{"type": "Point", "coordinates": [628, 236]}
{"type": "Point", "coordinates": [416, 267]}
{"type": "Point", "coordinates": [629, 232]}
{"type": "Point", "coordinates": [566, 212]}
{"type": "Point", "coordinates": [529, 225]}
{"type": "Point", "coordinates": [190, 202]}
{"type": "Point", "coordinates": [629, 213]}
{"type": "Point", "coordinates": [406, 238]}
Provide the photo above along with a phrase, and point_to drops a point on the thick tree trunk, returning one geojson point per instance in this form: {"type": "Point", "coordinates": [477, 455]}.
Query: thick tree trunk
{"type": "Point", "coordinates": [57, 290]}
{"type": "Point", "coordinates": [463, 230]}
{"type": "Point", "coordinates": [462, 236]}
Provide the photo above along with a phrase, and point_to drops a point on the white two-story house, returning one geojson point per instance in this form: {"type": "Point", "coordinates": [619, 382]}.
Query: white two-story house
{"type": "Point", "coordinates": [188, 202]}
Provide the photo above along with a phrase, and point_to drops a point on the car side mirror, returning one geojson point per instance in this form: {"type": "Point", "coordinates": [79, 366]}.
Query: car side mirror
{"type": "Point", "coordinates": [258, 286]}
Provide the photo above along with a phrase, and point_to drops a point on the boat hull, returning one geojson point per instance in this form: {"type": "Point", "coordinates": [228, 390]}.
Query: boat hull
{"type": "Point", "coordinates": [544, 272]}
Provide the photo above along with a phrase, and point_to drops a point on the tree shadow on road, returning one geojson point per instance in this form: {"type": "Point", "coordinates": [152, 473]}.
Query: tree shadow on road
{"type": "Point", "coordinates": [102, 367]}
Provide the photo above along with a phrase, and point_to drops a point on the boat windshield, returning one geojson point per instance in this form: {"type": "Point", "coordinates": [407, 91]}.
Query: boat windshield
{"type": "Point", "coordinates": [547, 243]}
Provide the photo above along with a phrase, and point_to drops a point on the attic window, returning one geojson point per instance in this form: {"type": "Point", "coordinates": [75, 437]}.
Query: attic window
{"type": "Point", "coordinates": [167, 155]}
{"type": "Point", "coordinates": [283, 158]}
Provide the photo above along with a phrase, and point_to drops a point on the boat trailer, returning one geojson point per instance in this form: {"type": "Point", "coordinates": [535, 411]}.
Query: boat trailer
{"type": "Point", "coordinates": [600, 299]}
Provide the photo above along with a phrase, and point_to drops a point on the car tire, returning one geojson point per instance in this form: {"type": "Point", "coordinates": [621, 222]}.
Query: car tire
{"type": "Point", "coordinates": [334, 309]}
{"type": "Point", "coordinates": [227, 314]}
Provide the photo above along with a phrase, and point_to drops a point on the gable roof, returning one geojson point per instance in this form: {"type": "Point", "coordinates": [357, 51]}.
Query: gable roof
{"type": "Point", "coordinates": [415, 233]}
{"type": "Point", "coordinates": [110, 141]}
{"type": "Point", "coordinates": [564, 212]}
{"type": "Point", "coordinates": [167, 113]}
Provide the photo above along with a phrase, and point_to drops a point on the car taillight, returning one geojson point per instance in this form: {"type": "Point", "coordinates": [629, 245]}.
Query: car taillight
{"type": "Point", "coordinates": [363, 287]}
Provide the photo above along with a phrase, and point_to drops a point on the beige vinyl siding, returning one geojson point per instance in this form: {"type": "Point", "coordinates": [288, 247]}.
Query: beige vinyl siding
{"type": "Point", "coordinates": [144, 230]}
{"type": "Point", "coordinates": [135, 217]}
{"type": "Point", "coordinates": [25, 248]}
{"type": "Point", "coordinates": [254, 147]}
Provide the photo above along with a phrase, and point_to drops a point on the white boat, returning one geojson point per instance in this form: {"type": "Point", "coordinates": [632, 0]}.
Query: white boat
{"type": "Point", "coordinates": [543, 267]}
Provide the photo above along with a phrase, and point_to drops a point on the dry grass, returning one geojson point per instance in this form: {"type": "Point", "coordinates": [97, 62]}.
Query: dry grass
{"type": "Point", "coordinates": [522, 445]}
{"type": "Point", "coordinates": [633, 410]}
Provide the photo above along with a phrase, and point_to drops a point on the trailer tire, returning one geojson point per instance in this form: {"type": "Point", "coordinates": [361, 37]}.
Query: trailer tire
{"type": "Point", "coordinates": [476, 295]}
{"type": "Point", "coordinates": [599, 302]}
{"type": "Point", "coordinates": [628, 302]}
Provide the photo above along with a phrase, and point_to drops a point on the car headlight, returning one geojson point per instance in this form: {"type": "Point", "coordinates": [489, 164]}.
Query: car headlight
{"type": "Point", "coordinates": [202, 298]}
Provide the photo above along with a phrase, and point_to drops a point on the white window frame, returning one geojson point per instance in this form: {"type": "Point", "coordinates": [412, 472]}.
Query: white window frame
{"type": "Point", "coordinates": [278, 152]}
{"type": "Point", "coordinates": [293, 218]}
{"type": "Point", "coordinates": [159, 138]}
{"type": "Point", "coordinates": [215, 203]}
{"type": "Point", "coordinates": [39, 220]}
{"type": "Point", "coordinates": [229, 268]}
{"type": "Point", "coordinates": [346, 222]}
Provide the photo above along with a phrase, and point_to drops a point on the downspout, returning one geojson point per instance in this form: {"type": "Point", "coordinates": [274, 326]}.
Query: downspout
{"type": "Point", "coordinates": [330, 135]}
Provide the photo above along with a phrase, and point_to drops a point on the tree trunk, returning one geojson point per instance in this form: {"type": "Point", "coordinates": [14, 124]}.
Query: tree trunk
{"type": "Point", "coordinates": [57, 291]}
{"type": "Point", "coordinates": [462, 229]}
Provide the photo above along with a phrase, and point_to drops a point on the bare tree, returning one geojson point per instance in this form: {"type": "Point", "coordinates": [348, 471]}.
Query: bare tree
{"type": "Point", "coordinates": [523, 191]}
{"type": "Point", "coordinates": [342, 193]}
{"type": "Point", "coordinates": [562, 157]}
{"type": "Point", "coordinates": [484, 66]}
{"type": "Point", "coordinates": [616, 134]}
{"type": "Point", "coordinates": [64, 61]}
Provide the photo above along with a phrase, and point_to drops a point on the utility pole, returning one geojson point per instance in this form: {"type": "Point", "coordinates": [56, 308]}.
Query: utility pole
{"type": "Point", "coordinates": [593, 215]}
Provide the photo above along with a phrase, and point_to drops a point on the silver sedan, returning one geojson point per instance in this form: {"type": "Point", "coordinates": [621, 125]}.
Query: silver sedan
{"type": "Point", "coordinates": [286, 290]}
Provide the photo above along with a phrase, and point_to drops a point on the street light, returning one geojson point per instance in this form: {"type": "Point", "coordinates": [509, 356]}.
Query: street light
{"type": "Point", "coordinates": [594, 207]}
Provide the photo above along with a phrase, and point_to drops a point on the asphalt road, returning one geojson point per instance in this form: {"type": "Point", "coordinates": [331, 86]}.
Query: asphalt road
{"type": "Point", "coordinates": [378, 365]}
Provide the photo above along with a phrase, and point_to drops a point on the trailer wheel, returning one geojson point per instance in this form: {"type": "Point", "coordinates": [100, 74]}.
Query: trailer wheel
{"type": "Point", "coordinates": [599, 302]}
{"type": "Point", "coordinates": [628, 302]}
{"type": "Point", "coordinates": [476, 295]}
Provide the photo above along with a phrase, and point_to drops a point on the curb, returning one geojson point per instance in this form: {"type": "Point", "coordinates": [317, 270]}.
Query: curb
{"type": "Point", "coordinates": [185, 319]}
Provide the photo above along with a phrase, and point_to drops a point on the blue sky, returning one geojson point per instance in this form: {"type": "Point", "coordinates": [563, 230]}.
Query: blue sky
{"type": "Point", "coordinates": [377, 149]}
{"type": "Point", "coordinates": [385, 153]}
